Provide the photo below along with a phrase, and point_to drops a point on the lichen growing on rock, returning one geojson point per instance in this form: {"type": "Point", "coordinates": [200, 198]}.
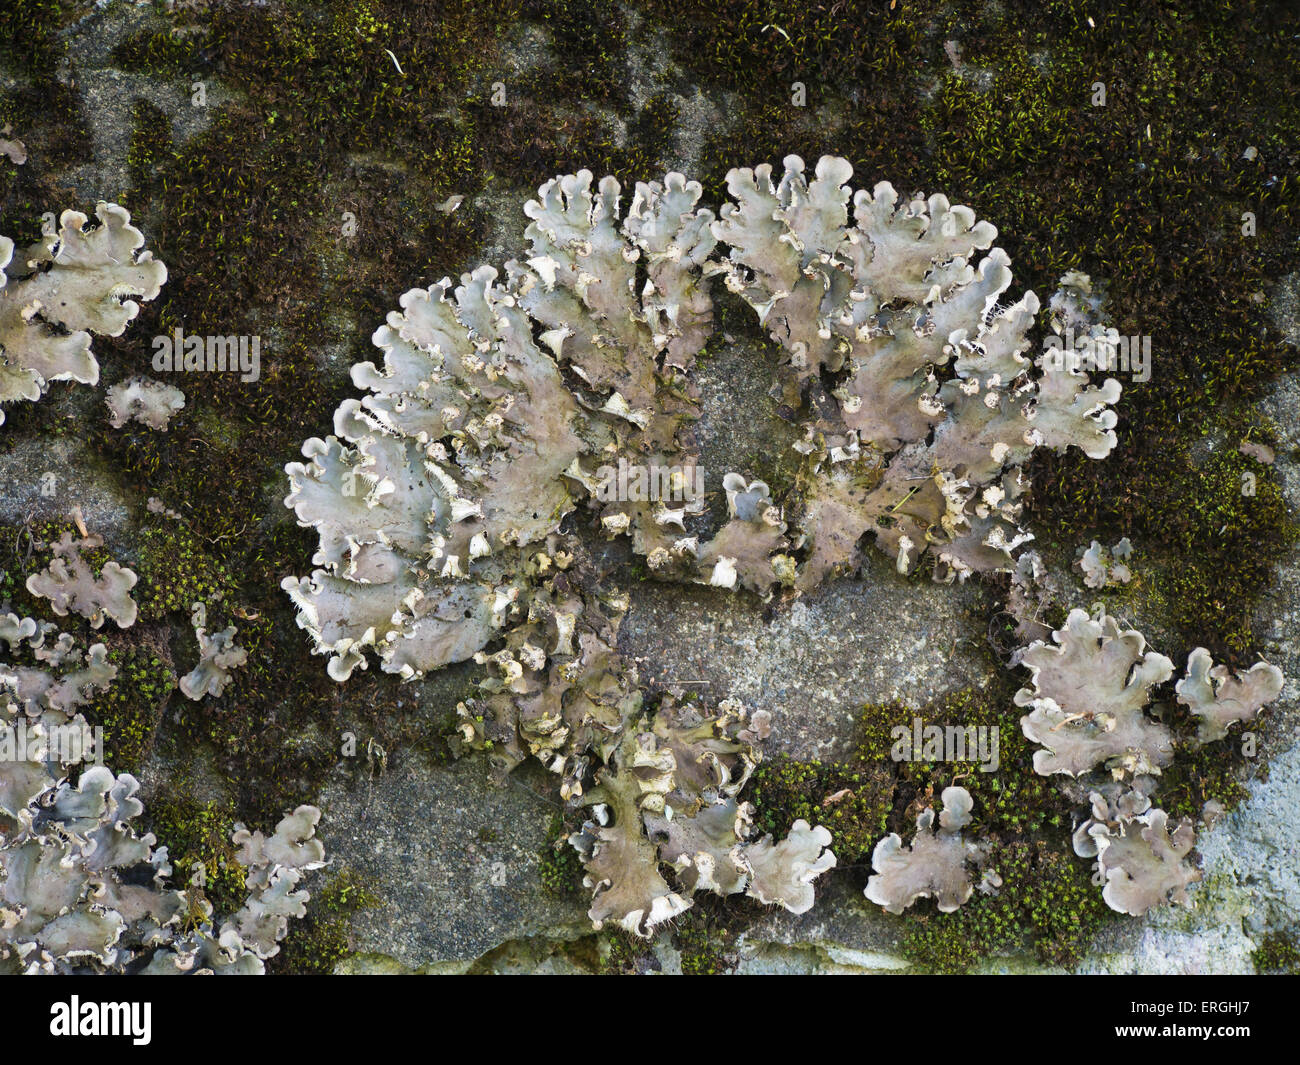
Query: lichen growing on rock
{"type": "Point", "coordinates": [81, 890]}
{"type": "Point", "coordinates": [1218, 698]}
{"type": "Point", "coordinates": [69, 285]}
{"type": "Point", "coordinates": [1102, 566]}
{"type": "Point", "coordinates": [472, 444]}
{"type": "Point", "coordinates": [886, 305]}
{"type": "Point", "coordinates": [151, 403]}
{"type": "Point", "coordinates": [1143, 863]}
{"type": "Point", "coordinates": [70, 584]}
{"type": "Point", "coordinates": [937, 863]}
{"type": "Point", "coordinates": [218, 655]}
{"type": "Point", "coordinates": [1089, 696]}
{"type": "Point", "coordinates": [501, 407]}
{"type": "Point", "coordinates": [661, 784]}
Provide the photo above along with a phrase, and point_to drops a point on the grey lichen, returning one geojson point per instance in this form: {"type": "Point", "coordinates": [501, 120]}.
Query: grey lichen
{"type": "Point", "coordinates": [1102, 566]}
{"type": "Point", "coordinates": [471, 444]}
{"type": "Point", "coordinates": [937, 864]}
{"type": "Point", "coordinates": [82, 891]}
{"type": "Point", "coordinates": [69, 285]}
{"type": "Point", "coordinates": [11, 147]}
{"type": "Point", "coordinates": [501, 407]}
{"type": "Point", "coordinates": [70, 584]}
{"type": "Point", "coordinates": [783, 873]}
{"type": "Point", "coordinates": [218, 655]}
{"type": "Point", "coordinates": [1218, 698]}
{"type": "Point", "coordinates": [1088, 696]}
{"type": "Point", "coordinates": [150, 403]}
{"type": "Point", "coordinates": [884, 306]}
{"type": "Point", "coordinates": [45, 679]}
{"type": "Point", "coordinates": [1143, 863]}
{"type": "Point", "coordinates": [661, 786]}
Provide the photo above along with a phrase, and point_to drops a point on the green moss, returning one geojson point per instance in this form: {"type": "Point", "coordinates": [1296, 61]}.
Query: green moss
{"type": "Point", "coordinates": [131, 709]}
{"type": "Point", "coordinates": [151, 147]}
{"type": "Point", "coordinates": [619, 953]}
{"type": "Point", "coordinates": [29, 33]}
{"type": "Point", "coordinates": [176, 572]}
{"type": "Point", "coordinates": [559, 865]}
{"type": "Point", "coordinates": [591, 38]}
{"type": "Point", "coordinates": [852, 800]}
{"type": "Point", "coordinates": [1277, 953]}
{"type": "Point", "coordinates": [197, 837]}
{"type": "Point", "coordinates": [705, 943]}
{"type": "Point", "coordinates": [316, 944]}
{"type": "Point", "coordinates": [1046, 900]}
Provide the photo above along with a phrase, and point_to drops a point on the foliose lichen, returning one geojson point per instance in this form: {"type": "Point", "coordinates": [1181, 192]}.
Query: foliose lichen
{"type": "Point", "coordinates": [69, 285]}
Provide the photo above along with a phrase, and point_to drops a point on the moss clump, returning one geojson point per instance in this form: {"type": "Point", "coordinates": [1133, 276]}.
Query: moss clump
{"type": "Point", "coordinates": [316, 944]}
{"type": "Point", "coordinates": [151, 147]}
{"type": "Point", "coordinates": [1277, 953]}
{"type": "Point", "coordinates": [176, 572]}
{"type": "Point", "coordinates": [752, 44]}
{"type": "Point", "coordinates": [1011, 799]}
{"type": "Point", "coordinates": [132, 708]}
{"type": "Point", "coordinates": [1199, 774]}
{"type": "Point", "coordinates": [1223, 583]}
{"type": "Point", "coordinates": [619, 953]}
{"type": "Point", "coordinates": [29, 33]}
{"type": "Point", "coordinates": [705, 942]}
{"type": "Point", "coordinates": [591, 38]}
{"type": "Point", "coordinates": [852, 800]}
{"type": "Point", "coordinates": [197, 837]}
{"type": "Point", "coordinates": [559, 865]}
{"type": "Point", "coordinates": [1047, 899]}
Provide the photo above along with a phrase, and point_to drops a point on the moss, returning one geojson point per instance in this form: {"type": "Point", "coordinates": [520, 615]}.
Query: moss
{"type": "Point", "coordinates": [559, 865]}
{"type": "Point", "coordinates": [29, 33]}
{"type": "Point", "coordinates": [852, 800]}
{"type": "Point", "coordinates": [130, 711]}
{"type": "Point", "coordinates": [591, 38]}
{"type": "Point", "coordinates": [197, 837]}
{"type": "Point", "coordinates": [1199, 774]}
{"type": "Point", "coordinates": [1047, 900]}
{"type": "Point", "coordinates": [750, 44]}
{"type": "Point", "coordinates": [316, 944]}
{"type": "Point", "coordinates": [1012, 799]}
{"type": "Point", "coordinates": [1277, 953]}
{"type": "Point", "coordinates": [706, 943]}
{"type": "Point", "coordinates": [151, 147]}
{"type": "Point", "coordinates": [619, 953]}
{"type": "Point", "coordinates": [176, 572]}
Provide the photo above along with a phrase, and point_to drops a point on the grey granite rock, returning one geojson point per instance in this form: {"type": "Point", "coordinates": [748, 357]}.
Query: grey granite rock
{"type": "Point", "coordinates": [453, 856]}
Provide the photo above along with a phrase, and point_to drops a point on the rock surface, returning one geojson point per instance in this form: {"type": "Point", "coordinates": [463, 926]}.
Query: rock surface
{"type": "Point", "coordinates": [454, 854]}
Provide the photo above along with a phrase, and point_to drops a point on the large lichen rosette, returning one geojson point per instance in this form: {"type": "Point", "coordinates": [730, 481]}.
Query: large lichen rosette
{"type": "Point", "coordinates": [501, 405]}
